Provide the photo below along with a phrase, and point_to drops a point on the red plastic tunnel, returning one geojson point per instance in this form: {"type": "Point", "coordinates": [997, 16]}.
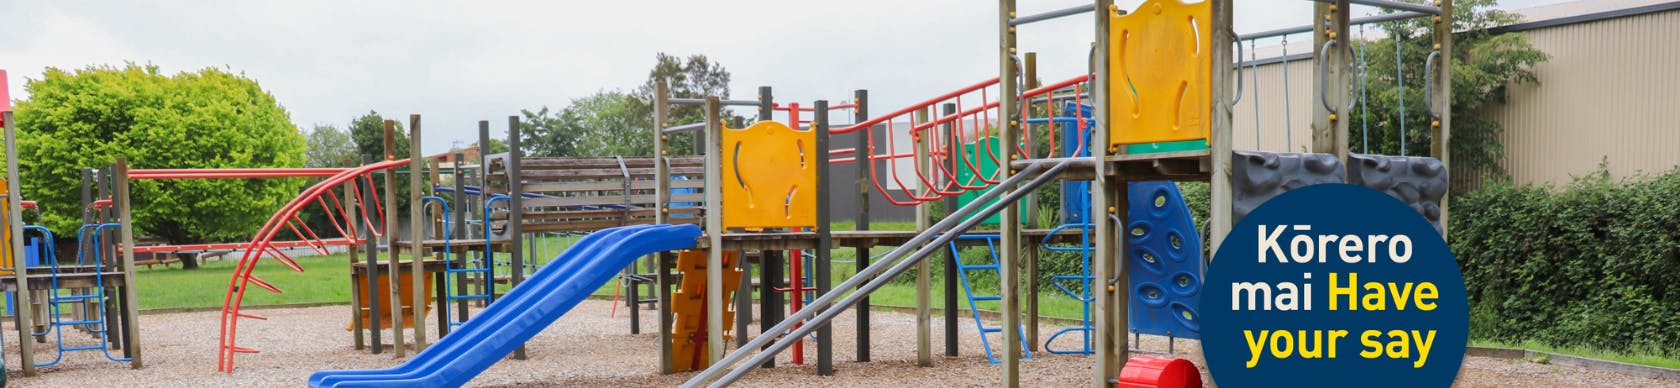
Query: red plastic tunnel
{"type": "Point", "coordinates": [1144, 371]}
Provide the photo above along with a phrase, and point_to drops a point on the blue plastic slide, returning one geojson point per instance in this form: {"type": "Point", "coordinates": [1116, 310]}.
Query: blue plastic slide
{"type": "Point", "coordinates": [527, 309]}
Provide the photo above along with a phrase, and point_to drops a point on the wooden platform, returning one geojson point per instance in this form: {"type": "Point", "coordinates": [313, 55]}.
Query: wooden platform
{"type": "Point", "coordinates": [456, 246]}
{"type": "Point", "coordinates": [40, 278]}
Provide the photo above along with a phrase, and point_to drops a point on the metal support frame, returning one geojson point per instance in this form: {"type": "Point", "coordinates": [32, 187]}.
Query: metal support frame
{"type": "Point", "coordinates": [1391, 4]}
{"type": "Point", "coordinates": [1009, 226]}
{"type": "Point", "coordinates": [1064, 12]}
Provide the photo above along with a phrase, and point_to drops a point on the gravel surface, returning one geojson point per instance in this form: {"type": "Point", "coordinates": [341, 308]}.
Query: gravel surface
{"type": "Point", "coordinates": [589, 348]}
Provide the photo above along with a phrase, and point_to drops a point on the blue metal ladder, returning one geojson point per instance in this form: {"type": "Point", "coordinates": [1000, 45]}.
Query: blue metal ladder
{"type": "Point", "coordinates": [973, 300]}
{"type": "Point", "coordinates": [470, 268]}
{"type": "Point", "coordinates": [1076, 209]}
{"type": "Point", "coordinates": [55, 298]}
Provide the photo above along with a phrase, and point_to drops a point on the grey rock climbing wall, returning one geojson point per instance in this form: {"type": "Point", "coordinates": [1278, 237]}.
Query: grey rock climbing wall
{"type": "Point", "coordinates": [1420, 182]}
{"type": "Point", "coordinates": [1257, 176]}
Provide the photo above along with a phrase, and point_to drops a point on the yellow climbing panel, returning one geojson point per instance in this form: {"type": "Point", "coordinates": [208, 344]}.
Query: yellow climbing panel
{"type": "Point", "coordinates": [769, 177]}
{"type": "Point", "coordinates": [689, 347]}
{"type": "Point", "coordinates": [1160, 72]}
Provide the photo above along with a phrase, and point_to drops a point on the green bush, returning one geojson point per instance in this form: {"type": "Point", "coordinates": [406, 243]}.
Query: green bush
{"type": "Point", "coordinates": [1593, 264]}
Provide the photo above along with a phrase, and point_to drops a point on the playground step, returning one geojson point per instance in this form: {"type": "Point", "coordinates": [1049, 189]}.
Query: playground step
{"type": "Point", "coordinates": [76, 298]}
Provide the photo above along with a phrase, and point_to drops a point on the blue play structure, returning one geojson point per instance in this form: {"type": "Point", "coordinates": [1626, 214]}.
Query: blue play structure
{"type": "Point", "coordinates": [522, 312]}
{"type": "Point", "coordinates": [1163, 249]}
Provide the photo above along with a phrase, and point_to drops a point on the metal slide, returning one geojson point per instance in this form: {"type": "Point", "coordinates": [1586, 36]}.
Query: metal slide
{"type": "Point", "coordinates": [522, 312]}
{"type": "Point", "coordinates": [892, 264]}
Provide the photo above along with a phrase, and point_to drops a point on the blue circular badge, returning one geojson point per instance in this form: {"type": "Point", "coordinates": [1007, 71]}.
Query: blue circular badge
{"type": "Point", "coordinates": [1334, 285]}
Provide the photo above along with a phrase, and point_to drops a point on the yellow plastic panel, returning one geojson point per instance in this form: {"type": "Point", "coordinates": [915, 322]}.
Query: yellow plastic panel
{"type": "Point", "coordinates": [1160, 73]}
{"type": "Point", "coordinates": [689, 344]}
{"type": "Point", "coordinates": [769, 177]}
{"type": "Point", "coordinates": [6, 227]}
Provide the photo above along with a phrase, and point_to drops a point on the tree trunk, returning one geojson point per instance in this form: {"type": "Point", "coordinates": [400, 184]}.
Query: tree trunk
{"type": "Point", "coordinates": [188, 260]}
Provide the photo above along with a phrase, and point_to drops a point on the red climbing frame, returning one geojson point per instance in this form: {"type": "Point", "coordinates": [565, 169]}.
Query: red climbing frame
{"type": "Point", "coordinates": [339, 214]}
{"type": "Point", "coordinates": [972, 123]}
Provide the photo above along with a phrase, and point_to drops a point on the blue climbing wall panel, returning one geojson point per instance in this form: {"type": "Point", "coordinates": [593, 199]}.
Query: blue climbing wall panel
{"type": "Point", "coordinates": [1164, 254]}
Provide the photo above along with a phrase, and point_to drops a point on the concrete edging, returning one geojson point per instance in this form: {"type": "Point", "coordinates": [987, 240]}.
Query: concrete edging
{"type": "Point", "coordinates": [1576, 361]}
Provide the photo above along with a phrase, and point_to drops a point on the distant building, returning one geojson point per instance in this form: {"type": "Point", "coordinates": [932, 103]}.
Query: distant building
{"type": "Point", "coordinates": [1609, 93]}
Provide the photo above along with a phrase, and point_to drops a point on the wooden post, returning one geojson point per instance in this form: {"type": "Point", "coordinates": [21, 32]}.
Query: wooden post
{"type": "Point", "coordinates": [1220, 181]}
{"type": "Point", "coordinates": [1330, 124]}
{"type": "Point", "coordinates": [354, 232]}
{"type": "Point", "coordinates": [1009, 222]}
{"type": "Point", "coordinates": [924, 279]}
{"type": "Point", "coordinates": [371, 242]}
{"type": "Point", "coordinates": [1031, 281]}
{"type": "Point", "coordinates": [951, 276]}
{"type": "Point", "coordinates": [861, 160]}
{"type": "Point", "coordinates": [824, 272]}
{"type": "Point", "coordinates": [516, 212]}
{"type": "Point", "coordinates": [662, 200]}
{"type": "Point", "coordinates": [1441, 99]}
{"type": "Point", "coordinates": [131, 307]}
{"type": "Point", "coordinates": [416, 233]}
{"type": "Point", "coordinates": [714, 230]}
{"type": "Point", "coordinates": [14, 220]}
{"type": "Point", "coordinates": [1110, 344]}
{"type": "Point", "coordinates": [394, 273]}
{"type": "Point", "coordinates": [770, 262]}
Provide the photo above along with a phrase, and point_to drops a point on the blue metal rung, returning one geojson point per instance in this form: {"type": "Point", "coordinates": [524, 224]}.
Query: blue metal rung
{"type": "Point", "coordinates": [985, 298]}
{"type": "Point", "coordinates": [973, 300]}
{"type": "Point", "coordinates": [992, 267]}
{"type": "Point", "coordinates": [460, 297]}
{"type": "Point", "coordinates": [81, 322]}
{"type": "Point", "coordinates": [62, 298]}
{"type": "Point", "coordinates": [80, 348]}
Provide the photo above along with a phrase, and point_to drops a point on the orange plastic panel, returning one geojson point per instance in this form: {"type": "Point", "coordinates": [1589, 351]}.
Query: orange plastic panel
{"type": "Point", "coordinates": [689, 344]}
{"type": "Point", "coordinates": [382, 286]}
{"type": "Point", "coordinates": [1160, 73]}
{"type": "Point", "coordinates": [5, 206]}
{"type": "Point", "coordinates": [769, 177]}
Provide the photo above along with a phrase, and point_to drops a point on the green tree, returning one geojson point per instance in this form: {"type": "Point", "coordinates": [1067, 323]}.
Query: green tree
{"type": "Point", "coordinates": [329, 147]}
{"type": "Point", "coordinates": [541, 134]}
{"type": "Point", "coordinates": [369, 133]}
{"type": "Point", "coordinates": [609, 125]}
{"type": "Point", "coordinates": [694, 77]}
{"type": "Point", "coordinates": [205, 119]}
{"type": "Point", "coordinates": [1484, 64]}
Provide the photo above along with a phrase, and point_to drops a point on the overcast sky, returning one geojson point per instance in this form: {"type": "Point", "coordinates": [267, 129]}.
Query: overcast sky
{"type": "Point", "coordinates": [459, 62]}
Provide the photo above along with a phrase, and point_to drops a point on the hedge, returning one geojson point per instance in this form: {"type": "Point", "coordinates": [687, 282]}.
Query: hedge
{"type": "Point", "coordinates": [1595, 263]}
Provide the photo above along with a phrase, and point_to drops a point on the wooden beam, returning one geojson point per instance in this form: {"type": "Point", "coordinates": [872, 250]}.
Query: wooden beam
{"type": "Point", "coordinates": [1110, 351]}
{"type": "Point", "coordinates": [14, 220]}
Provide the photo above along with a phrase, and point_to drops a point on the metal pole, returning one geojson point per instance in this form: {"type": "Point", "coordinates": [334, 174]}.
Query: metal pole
{"type": "Point", "coordinates": [1070, 11]}
{"type": "Point", "coordinates": [1387, 17]}
{"type": "Point", "coordinates": [902, 258]}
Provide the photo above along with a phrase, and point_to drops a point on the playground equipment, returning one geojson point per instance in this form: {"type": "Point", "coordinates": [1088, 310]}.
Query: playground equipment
{"type": "Point", "coordinates": [94, 294]}
{"type": "Point", "coordinates": [1141, 98]}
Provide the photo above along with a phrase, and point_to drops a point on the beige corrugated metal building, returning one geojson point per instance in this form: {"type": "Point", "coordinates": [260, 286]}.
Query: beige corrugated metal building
{"type": "Point", "coordinates": [1610, 92]}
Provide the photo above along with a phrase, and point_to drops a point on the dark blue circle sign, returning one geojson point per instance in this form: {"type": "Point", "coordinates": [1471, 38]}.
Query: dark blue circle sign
{"type": "Point", "coordinates": [1334, 285]}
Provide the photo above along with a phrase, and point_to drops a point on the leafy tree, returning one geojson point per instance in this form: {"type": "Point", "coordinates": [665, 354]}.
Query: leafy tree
{"type": "Point", "coordinates": [1484, 64]}
{"type": "Point", "coordinates": [496, 146]}
{"type": "Point", "coordinates": [205, 119]}
{"type": "Point", "coordinates": [694, 77]}
{"type": "Point", "coordinates": [541, 133]}
{"type": "Point", "coordinates": [329, 147]}
{"type": "Point", "coordinates": [369, 133]}
{"type": "Point", "coordinates": [610, 125]}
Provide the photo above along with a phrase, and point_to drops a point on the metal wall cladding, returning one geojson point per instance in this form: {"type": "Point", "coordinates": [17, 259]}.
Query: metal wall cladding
{"type": "Point", "coordinates": [1419, 182]}
{"type": "Point", "coordinates": [1165, 252]}
{"type": "Point", "coordinates": [1257, 176]}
